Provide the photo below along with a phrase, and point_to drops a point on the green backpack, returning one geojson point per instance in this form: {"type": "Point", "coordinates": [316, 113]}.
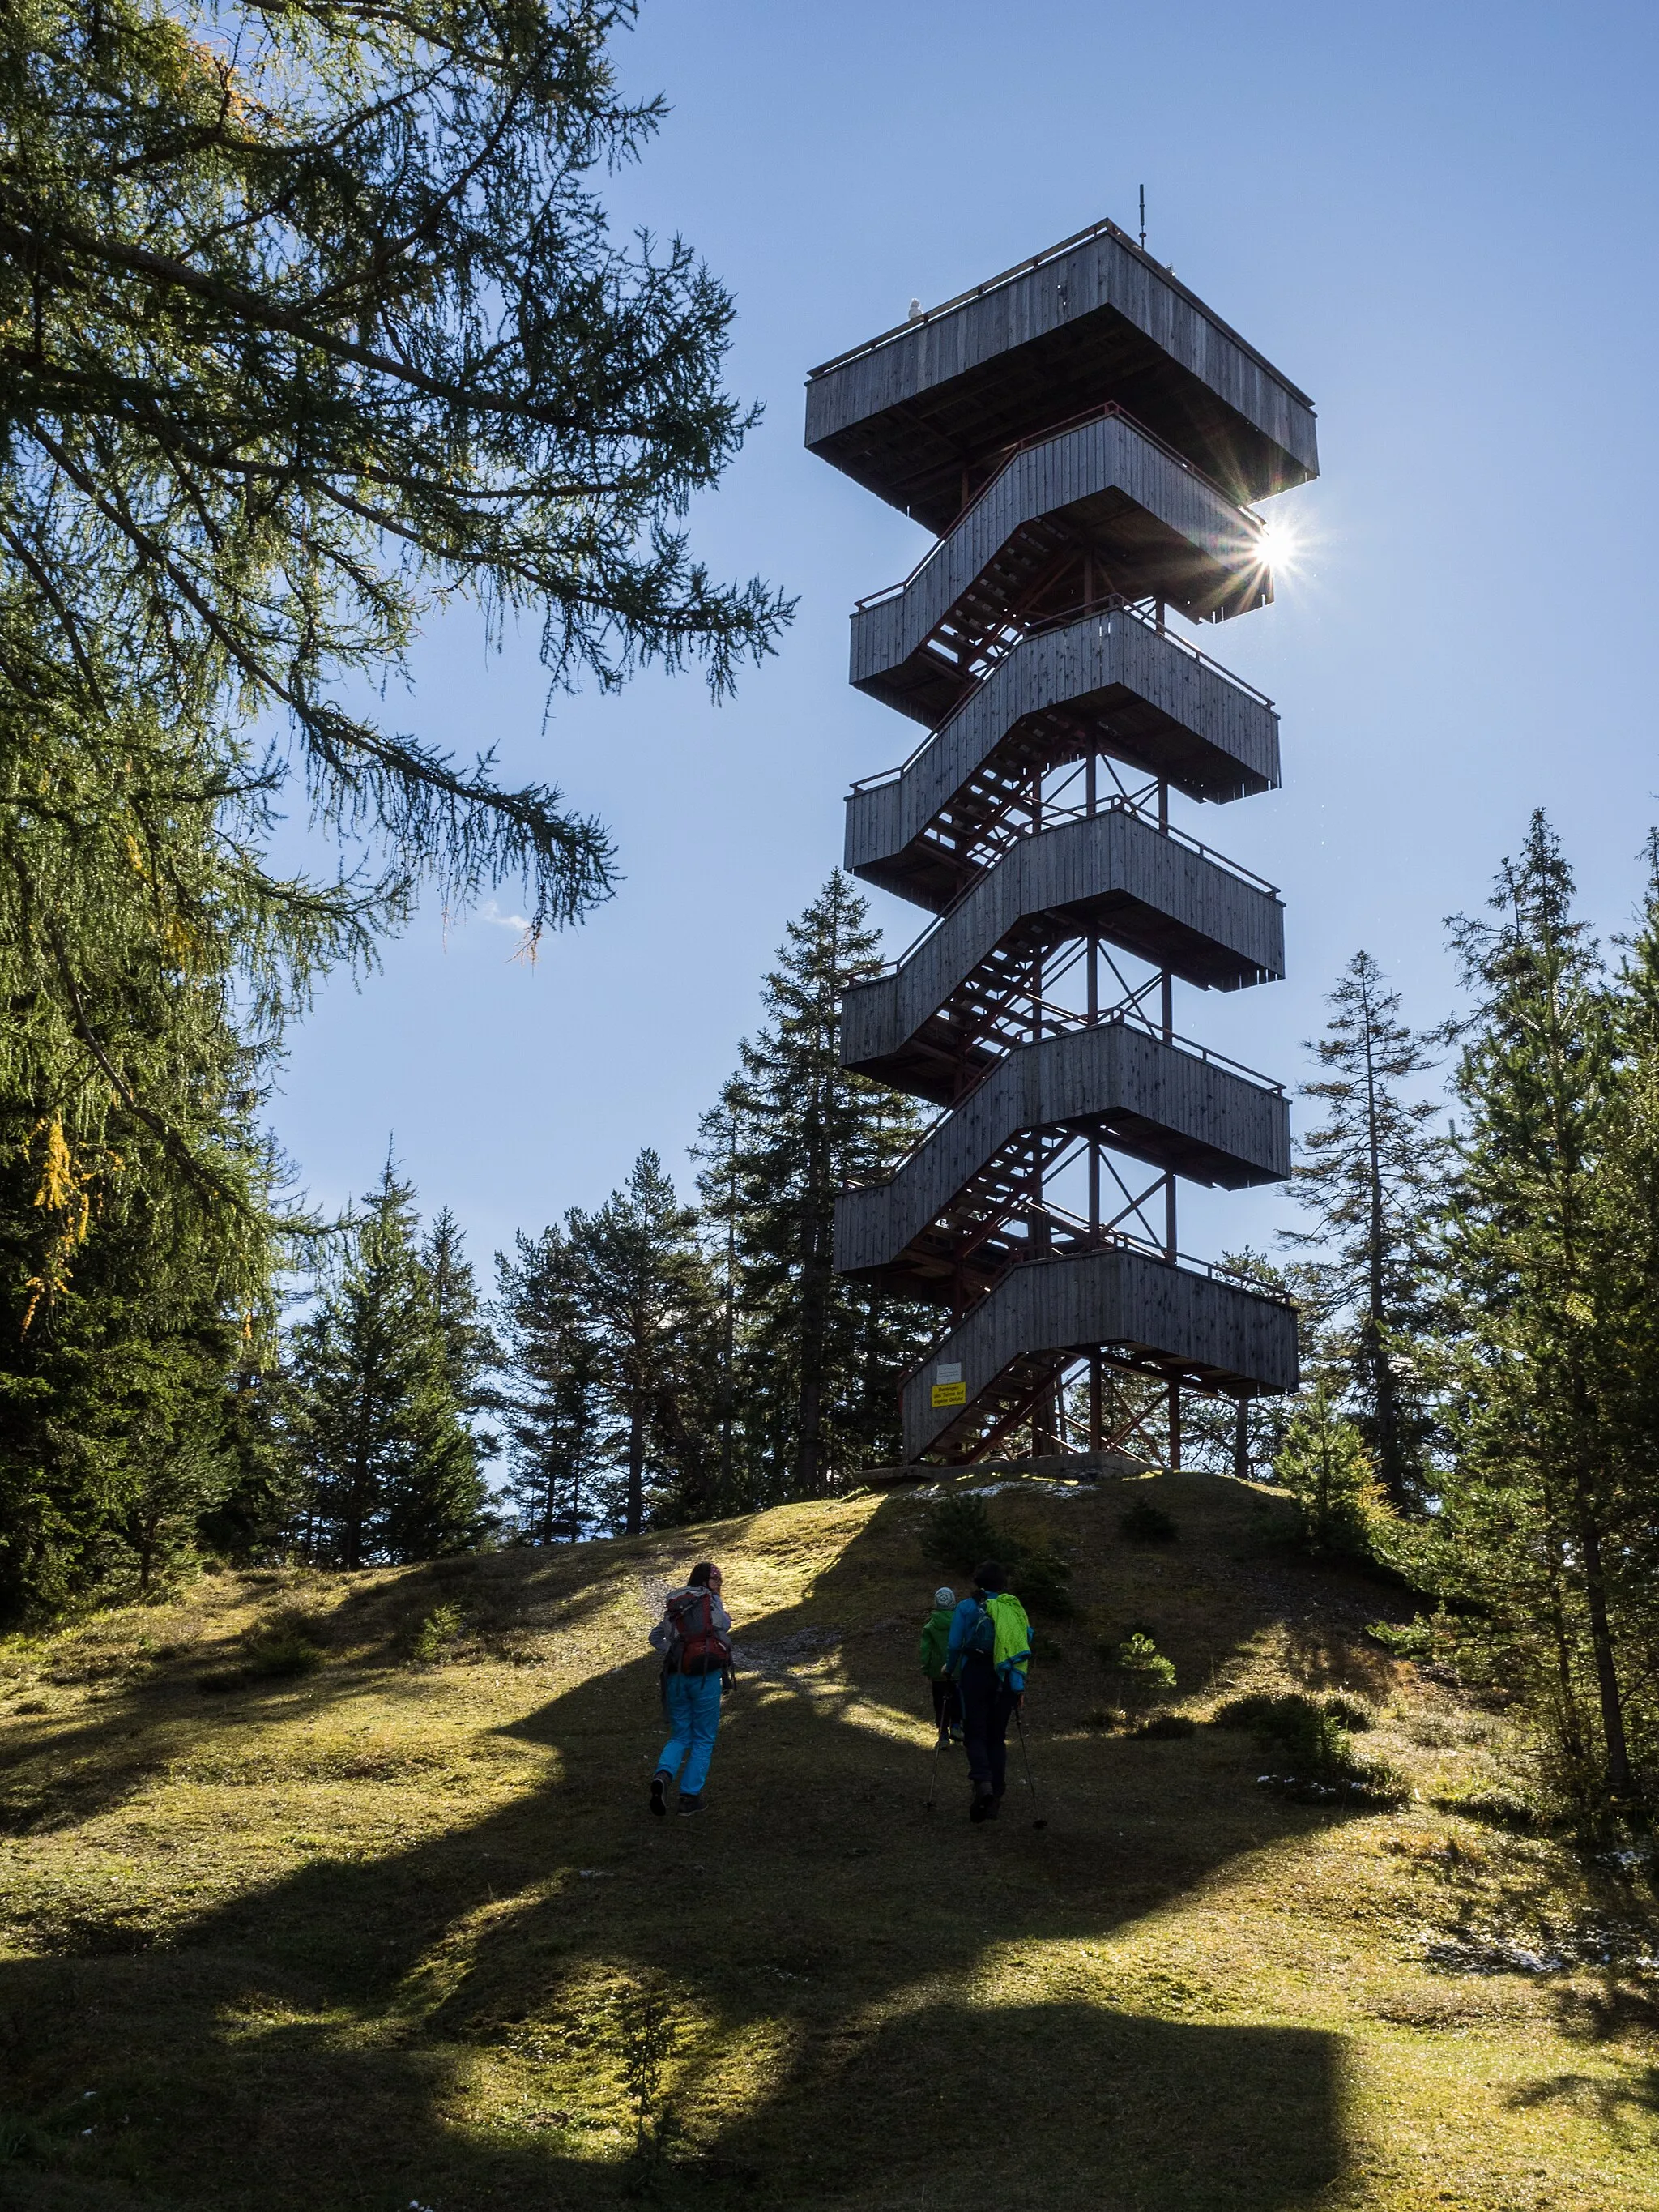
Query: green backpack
{"type": "Point", "coordinates": [1011, 1650]}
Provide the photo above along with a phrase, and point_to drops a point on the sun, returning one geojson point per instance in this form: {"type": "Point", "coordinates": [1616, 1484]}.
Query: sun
{"type": "Point", "coordinates": [1279, 546]}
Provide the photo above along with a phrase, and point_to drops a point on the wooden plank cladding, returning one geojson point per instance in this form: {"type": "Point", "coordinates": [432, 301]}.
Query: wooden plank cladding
{"type": "Point", "coordinates": [1210, 1332]}
{"type": "Point", "coordinates": [1101, 493]}
{"type": "Point", "coordinates": [1111, 684]}
{"type": "Point", "coordinates": [1110, 875]}
{"type": "Point", "coordinates": [917, 411]}
{"type": "Point", "coordinates": [1081, 433]}
{"type": "Point", "coordinates": [1118, 1081]}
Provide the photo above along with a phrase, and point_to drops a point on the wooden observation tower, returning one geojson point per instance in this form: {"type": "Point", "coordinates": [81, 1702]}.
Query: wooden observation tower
{"type": "Point", "coordinates": [1085, 437]}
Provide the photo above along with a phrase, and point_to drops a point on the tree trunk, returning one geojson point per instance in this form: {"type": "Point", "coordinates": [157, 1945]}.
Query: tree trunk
{"type": "Point", "coordinates": [636, 1461]}
{"type": "Point", "coordinates": [1607, 1672]}
{"type": "Point", "coordinates": [1385, 1400]}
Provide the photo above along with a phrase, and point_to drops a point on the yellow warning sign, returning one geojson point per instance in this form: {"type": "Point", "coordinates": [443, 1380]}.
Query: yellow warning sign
{"type": "Point", "coordinates": [950, 1394]}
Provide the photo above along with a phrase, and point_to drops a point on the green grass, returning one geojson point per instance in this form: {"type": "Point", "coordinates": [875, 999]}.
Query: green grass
{"type": "Point", "coordinates": [401, 1929]}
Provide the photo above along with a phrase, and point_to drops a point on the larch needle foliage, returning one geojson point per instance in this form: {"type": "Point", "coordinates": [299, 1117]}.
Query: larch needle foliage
{"type": "Point", "coordinates": [310, 319]}
{"type": "Point", "coordinates": [311, 322]}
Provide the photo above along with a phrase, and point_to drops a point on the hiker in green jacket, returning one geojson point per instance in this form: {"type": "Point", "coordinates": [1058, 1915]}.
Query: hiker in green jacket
{"type": "Point", "coordinates": [936, 1666]}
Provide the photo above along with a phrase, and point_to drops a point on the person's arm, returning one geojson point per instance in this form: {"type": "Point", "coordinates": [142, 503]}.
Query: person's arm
{"type": "Point", "coordinates": [720, 1618]}
{"type": "Point", "coordinates": [959, 1621]}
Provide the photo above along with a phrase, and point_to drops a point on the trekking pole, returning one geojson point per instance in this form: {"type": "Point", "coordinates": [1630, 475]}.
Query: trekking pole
{"type": "Point", "coordinates": [1026, 1756]}
{"type": "Point", "coordinates": [932, 1769]}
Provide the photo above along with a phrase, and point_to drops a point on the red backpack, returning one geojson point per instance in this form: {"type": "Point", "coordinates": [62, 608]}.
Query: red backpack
{"type": "Point", "coordinates": [698, 1647]}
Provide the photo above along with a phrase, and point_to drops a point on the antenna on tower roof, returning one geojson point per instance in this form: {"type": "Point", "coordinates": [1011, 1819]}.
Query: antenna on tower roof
{"type": "Point", "coordinates": [1143, 218]}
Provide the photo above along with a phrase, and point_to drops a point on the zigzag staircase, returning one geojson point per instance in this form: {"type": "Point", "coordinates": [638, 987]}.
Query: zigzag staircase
{"type": "Point", "coordinates": [1033, 822]}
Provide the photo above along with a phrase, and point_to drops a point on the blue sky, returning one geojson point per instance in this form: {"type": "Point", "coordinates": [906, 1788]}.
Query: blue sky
{"type": "Point", "coordinates": [1437, 220]}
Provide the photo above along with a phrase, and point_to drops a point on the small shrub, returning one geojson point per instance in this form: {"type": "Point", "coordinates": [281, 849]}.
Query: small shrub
{"type": "Point", "coordinates": [1162, 1723]}
{"type": "Point", "coordinates": [1282, 1713]}
{"type": "Point", "coordinates": [1041, 1583]}
{"type": "Point", "coordinates": [1139, 1659]}
{"type": "Point", "coordinates": [1498, 1808]}
{"type": "Point", "coordinates": [648, 2042]}
{"type": "Point", "coordinates": [1244, 1713]}
{"type": "Point", "coordinates": [1045, 1652]}
{"type": "Point", "coordinates": [282, 1648]}
{"type": "Point", "coordinates": [430, 1644]}
{"type": "Point", "coordinates": [959, 1533]}
{"type": "Point", "coordinates": [1312, 1743]}
{"type": "Point", "coordinates": [1351, 1712]}
{"type": "Point", "coordinates": [1324, 1465]}
{"type": "Point", "coordinates": [1105, 1718]}
{"type": "Point", "coordinates": [1146, 1523]}
{"type": "Point", "coordinates": [1411, 1639]}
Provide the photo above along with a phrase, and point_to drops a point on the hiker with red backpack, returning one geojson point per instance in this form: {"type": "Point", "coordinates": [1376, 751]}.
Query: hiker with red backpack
{"type": "Point", "coordinates": [694, 1636]}
{"type": "Point", "coordinates": [989, 1653]}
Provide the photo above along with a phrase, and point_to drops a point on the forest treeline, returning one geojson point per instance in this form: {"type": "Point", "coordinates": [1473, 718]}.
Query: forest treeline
{"type": "Point", "coordinates": [1476, 1272]}
{"type": "Point", "coordinates": [313, 324]}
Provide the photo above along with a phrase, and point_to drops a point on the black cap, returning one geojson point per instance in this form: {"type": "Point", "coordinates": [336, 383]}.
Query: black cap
{"type": "Point", "coordinates": [992, 1577]}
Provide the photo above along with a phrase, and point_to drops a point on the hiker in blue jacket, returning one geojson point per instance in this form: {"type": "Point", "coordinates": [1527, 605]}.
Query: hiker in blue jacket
{"type": "Point", "coordinates": [694, 1636]}
{"type": "Point", "coordinates": [989, 1700]}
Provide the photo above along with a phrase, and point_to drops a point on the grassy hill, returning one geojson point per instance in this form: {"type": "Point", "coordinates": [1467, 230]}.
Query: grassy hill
{"type": "Point", "coordinates": [399, 1930]}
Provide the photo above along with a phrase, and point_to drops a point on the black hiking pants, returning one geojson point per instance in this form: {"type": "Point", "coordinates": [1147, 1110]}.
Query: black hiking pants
{"type": "Point", "coordinates": [947, 1705]}
{"type": "Point", "coordinates": [986, 1709]}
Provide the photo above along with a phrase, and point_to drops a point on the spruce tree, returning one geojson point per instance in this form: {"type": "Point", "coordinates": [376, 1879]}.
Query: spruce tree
{"type": "Point", "coordinates": [1530, 1536]}
{"type": "Point", "coordinates": [817, 1358]}
{"type": "Point", "coordinates": [1624, 1344]}
{"type": "Point", "coordinates": [1323, 1463]}
{"type": "Point", "coordinates": [646, 1302]}
{"type": "Point", "coordinates": [551, 1396]}
{"type": "Point", "coordinates": [394, 1469]}
{"type": "Point", "coordinates": [469, 1348]}
{"type": "Point", "coordinates": [1371, 1176]}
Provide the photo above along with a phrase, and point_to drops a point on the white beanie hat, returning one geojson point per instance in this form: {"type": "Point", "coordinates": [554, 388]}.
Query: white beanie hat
{"type": "Point", "coordinates": [945, 1598]}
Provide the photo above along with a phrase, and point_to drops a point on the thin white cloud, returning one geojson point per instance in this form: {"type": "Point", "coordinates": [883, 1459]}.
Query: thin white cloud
{"type": "Point", "coordinates": [491, 912]}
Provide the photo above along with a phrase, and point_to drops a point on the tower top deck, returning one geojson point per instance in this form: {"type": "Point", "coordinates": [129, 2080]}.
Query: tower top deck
{"type": "Point", "coordinates": [910, 414]}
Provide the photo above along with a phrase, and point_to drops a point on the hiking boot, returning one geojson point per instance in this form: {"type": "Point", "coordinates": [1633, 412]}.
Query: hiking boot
{"type": "Point", "coordinates": [984, 1807]}
{"type": "Point", "coordinates": [688, 1805]}
{"type": "Point", "coordinates": [944, 1739]}
{"type": "Point", "coordinates": [993, 1807]}
{"type": "Point", "coordinates": [660, 1781]}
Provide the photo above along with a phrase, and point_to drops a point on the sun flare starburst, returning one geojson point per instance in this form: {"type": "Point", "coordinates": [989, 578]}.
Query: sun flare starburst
{"type": "Point", "coordinates": [1280, 546]}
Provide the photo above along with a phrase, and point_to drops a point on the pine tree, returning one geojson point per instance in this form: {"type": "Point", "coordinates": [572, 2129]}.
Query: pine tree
{"type": "Point", "coordinates": [817, 1358]}
{"type": "Point", "coordinates": [552, 1397]}
{"type": "Point", "coordinates": [1530, 1528]}
{"type": "Point", "coordinates": [1324, 1465]}
{"type": "Point", "coordinates": [646, 1299]}
{"type": "Point", "coordinates": [1623, 1346]}
{"type": "Point", "coordinates": [1372, 1176]}
{"type": "Point", "coordinates": [393, 1466]}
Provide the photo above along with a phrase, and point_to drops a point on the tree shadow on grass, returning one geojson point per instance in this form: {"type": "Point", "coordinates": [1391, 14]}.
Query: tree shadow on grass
{"type": "Point", "coordinates": [323, 2041]}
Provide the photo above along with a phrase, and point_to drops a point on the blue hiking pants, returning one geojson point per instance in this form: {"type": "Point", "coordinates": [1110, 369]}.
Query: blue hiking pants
{"type": "Point", "coordinates": [694, 1715]}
